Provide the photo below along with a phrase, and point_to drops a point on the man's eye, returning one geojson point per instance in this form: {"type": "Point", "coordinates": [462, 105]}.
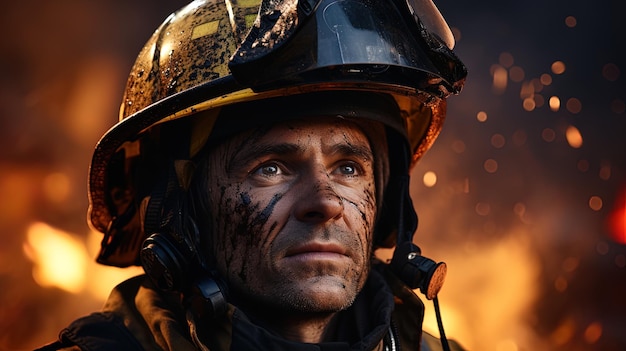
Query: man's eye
{"type": "Point", "coordinates": [349, 169]}
{"type": "Point", "coordinates": [268, 170]}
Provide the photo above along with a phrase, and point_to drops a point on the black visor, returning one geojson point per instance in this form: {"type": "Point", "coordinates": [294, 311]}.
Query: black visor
{"type": "Point", "coordinates": [345, 41]}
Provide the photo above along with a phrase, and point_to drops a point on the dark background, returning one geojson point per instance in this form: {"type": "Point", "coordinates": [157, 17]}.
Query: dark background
{"type": "Point", "coordinates": [531, 222]}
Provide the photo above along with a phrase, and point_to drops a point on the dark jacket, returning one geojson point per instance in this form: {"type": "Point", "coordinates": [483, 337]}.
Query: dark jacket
{"type": "Point", "coordinates": [138, 317]}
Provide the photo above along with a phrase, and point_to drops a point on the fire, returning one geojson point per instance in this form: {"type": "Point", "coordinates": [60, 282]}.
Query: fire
{"type": "Point", "coordinates": [59, 258]}
{"type": "Point", "coordinates": [496, 276]}
{"type": "Point", "coordinates": [64, 261]}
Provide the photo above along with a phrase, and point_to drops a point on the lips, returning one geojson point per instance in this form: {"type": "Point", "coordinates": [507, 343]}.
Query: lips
{"type": "Point", "coordinates": [317, 248]}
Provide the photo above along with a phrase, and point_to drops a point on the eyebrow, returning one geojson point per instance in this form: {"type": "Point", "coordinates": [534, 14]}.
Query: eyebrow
{"type": "Point", "coordinates": [348, 149]}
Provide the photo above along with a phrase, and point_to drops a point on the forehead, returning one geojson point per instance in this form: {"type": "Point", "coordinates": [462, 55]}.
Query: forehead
{"type": "Point", "coordinates": [323, 128]}
{"type": "Point", "coordinates": [323, 131]}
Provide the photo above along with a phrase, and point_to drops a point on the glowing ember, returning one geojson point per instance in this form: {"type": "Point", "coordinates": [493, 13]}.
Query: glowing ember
{"type": "Point", "coordinates": [558, 67]}
{"type": "Point", "coordinates": [529, 104]}
{"type": "Point", "coordinates": [595, 203]}
{"type": "Point", "coordinates": [430, 179]}
{"type": "Point", "coordinates": [570, 21]}
{"type": "Point", "coordinates": [605, 171]}
{"type": "Point", "coordinates": [491, 166]}
{"type": "Point", "coordinates": [574, 139]}
{"type": "Point", "coordinates": [481, 116]}
{"type": "Point", "coordinates": [574, 105]}
{"type": "Point", "coordinates": [500, 77]}
{"type": "Point", "coordinates": [593, 333]}
{"type": "Point", "coordinates": [545, 79]}
{"type": "Point", "coordinates": [555, 103]}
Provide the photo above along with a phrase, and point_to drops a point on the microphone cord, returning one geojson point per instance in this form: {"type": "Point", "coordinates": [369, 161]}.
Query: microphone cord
{"type": "Point", "coordinates": [442, 333]}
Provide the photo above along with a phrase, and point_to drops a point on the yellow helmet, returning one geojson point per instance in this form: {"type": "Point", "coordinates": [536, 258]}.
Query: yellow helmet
{"type": "Point", "coordinates": [214, 53]}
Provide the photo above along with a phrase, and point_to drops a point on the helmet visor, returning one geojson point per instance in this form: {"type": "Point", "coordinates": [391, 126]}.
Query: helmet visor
{"type": "Point", "coordinates": [346, 41]}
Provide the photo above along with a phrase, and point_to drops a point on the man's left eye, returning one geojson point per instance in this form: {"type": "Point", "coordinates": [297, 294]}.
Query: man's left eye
{"type": "Point", "coordinates": [348, 169]}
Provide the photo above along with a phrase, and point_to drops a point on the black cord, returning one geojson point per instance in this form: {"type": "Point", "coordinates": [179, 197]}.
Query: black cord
{"type": "Point", "coordinates": [442, 333]}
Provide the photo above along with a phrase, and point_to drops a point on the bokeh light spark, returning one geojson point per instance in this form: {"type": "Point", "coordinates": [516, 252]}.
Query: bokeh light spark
{"type": "Point", "coordinates": [573, 136]}
{"type": "Point", "coordinates": [574, 105]}
{"type": "Point", "coordinates": [595, 203]}
{"type": "Point", "coordinates": [500, 79]}
{"type": "Point", "coordinates": [555, 103]}
{"type": "Point", "coordinates": [481, 116]}
{"type": "Point", "coordinates": [570, 21]}
{"type": "Point", "coordinates": [491, 165]}
{"type": "Point", "coordinates": [605, 171]}
{"type": "Point", "coordinates": [430, 179]}
{"type": "Point", "coordinates": [593, 332]}
{"type": "Point", "coordinates": [529, 104]}
{"type": "Point", "coordinates": [558, 67]}
{"type": "Point", "coordinates": [545, 79]}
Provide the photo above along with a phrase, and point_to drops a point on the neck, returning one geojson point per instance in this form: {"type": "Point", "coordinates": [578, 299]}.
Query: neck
{"type": "Point", "coordinates": [300, 327]}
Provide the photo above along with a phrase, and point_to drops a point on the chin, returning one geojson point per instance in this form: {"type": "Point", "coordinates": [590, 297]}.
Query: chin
{"type": "Point", "coordinates": [322, 296]}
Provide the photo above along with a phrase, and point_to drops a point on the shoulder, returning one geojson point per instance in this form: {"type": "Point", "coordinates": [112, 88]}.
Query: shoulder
{"type": "Point", "coordinates": [95, 332]}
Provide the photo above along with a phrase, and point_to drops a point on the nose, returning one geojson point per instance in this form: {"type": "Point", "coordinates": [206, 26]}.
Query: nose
{"type": "Point", "coordinates": [317, 200]}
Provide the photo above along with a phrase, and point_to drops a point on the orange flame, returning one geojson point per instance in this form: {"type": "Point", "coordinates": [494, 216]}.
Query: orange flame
{"type": "Point", "coordinates": [60, 259]}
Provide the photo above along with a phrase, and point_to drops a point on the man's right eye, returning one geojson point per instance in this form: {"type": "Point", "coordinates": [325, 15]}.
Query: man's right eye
{"type": "Point", "coordinates": [268, 170]}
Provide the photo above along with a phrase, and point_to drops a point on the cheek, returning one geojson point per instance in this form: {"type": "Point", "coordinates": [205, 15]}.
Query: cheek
{"type": "Point", "coordinates": [363, 204]}
{"type": "Point", "coordinates": [242, 232]}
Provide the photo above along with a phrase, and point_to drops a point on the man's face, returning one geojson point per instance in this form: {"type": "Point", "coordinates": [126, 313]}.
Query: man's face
{"type": "Point", "coordinates": [294, 210]}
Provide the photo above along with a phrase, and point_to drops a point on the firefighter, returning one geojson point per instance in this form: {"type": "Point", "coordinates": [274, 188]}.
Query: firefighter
{"type": "Point", "coordinates": [262, 156]}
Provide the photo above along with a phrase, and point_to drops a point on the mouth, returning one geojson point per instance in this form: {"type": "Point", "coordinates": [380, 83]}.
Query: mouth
{"type": "Point", "coordinates": [317, 250]}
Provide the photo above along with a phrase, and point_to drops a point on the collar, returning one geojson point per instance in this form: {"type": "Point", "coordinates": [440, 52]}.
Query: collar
{"type": "Point", "coordinates": [361, 327]}
{"type": "Point", "coordinates": [159, 321]}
